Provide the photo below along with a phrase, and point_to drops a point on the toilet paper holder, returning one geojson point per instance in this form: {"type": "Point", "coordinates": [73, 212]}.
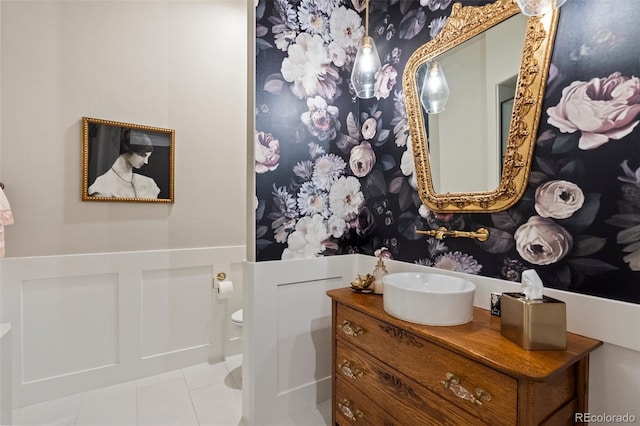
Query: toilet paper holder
{"type": "Point", "coordinates": [220, 277]}
{"type": "Point", "coordinates": [222, 286]}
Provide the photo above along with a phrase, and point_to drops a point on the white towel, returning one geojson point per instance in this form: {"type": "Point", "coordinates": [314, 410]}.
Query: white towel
{"type": "Point", "coordinates": [6, 218]}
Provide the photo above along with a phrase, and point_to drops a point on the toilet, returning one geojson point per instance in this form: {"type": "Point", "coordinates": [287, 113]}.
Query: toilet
{"type": "Point", "coordinates": [236, 318]}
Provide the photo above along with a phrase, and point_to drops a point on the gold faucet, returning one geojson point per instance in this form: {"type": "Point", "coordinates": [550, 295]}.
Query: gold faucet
{"type": "Point", "coordinates": [481, 234]}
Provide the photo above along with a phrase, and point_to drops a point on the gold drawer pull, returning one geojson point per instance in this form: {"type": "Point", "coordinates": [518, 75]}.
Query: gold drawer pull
{"type": "Point", "coordinates": [452, 383]}
{"type": "Point", "coordinates": [351, 331]}
{"type": "Point", "coordinates": [348, 371]}
{"type": "Point", "coordinates": [352, 414]}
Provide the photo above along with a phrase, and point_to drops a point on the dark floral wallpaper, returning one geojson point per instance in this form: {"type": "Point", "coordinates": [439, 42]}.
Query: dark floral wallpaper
{"type": "Point", "coordinates": [334, 174]}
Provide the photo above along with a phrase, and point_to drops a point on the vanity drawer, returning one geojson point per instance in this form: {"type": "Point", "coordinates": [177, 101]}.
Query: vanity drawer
{"type": "Point", "coordinates": [352, 405]}
{"type": "Point", "coordinates": [431, 365]}
{"type": "Point", "coordinates": [393, 390]}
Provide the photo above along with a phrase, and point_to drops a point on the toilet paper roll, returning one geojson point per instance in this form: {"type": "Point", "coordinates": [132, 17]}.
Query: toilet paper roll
{"type": "Point", "coordinates": [225, 289]}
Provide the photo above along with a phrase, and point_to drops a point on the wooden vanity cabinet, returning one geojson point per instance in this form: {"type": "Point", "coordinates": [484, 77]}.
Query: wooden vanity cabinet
{"type": "Point", "coordinates": [393, 372]}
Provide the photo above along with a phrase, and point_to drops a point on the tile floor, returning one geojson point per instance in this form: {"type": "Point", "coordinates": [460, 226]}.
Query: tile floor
{"type": "Point", "coordinates": [204, 394]}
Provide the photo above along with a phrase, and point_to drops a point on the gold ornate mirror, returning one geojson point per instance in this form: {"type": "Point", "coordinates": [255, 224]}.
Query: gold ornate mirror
{"type": "Point", "coordinates": [520, 110]}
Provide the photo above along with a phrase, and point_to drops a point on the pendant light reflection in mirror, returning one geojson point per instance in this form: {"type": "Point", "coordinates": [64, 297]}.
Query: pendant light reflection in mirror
{"type": "Point", "coordinates": [434, 92]}
{"type": "Point", "coordinates": [366, 65]}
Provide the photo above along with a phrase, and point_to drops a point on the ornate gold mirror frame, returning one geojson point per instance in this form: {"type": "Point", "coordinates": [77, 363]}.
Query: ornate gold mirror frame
{"type": "Point", "coordinates": [463, 24]}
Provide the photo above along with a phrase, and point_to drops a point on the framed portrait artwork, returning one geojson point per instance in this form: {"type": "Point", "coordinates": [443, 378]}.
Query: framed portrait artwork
{"type": "Point", "coordinates": [126, 162]}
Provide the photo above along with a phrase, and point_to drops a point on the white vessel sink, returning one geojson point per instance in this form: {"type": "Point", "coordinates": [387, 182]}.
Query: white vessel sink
{"type": "Point", "coordinates": [428, 298]}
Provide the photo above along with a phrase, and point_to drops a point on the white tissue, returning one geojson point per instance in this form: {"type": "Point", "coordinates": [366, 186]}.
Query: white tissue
{"type": "Point", "coordinates": [532, 286]}
{"type": "Point", "coordinates": [225, 289]}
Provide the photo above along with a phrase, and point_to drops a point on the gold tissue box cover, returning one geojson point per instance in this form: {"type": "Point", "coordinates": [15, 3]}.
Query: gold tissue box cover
{"type": "Point", "coordinates": [534, 324]}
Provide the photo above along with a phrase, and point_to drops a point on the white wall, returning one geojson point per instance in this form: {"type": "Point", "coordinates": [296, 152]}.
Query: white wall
{"type": "Point", "coordinates": [78, 271]}
{"type": "Point", "coordinates": [504, 46]}
{"type": "Point", "coordinates": [460, 148]}
{"type": "Point", "coordinates": [173, 64]}
{"type": "Point", "coordinates": [473, 70]}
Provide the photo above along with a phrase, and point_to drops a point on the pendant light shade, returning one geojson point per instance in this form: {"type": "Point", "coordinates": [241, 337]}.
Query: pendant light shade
{"type": "Point", "coordinates": [434, 93]}
{"type": "Point", "coordinates": [538, 7]}
{"type": "Point", "coordinates": [365, 68]}
{"type": "Point", "coordinates": [366, 65]}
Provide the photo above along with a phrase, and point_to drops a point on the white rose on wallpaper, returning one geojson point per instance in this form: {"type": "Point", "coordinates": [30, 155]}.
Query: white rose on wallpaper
{"type": "Point", "coordinates": [309, 68]}
{"type": "Point", "coordinates": [267, 152]}
{"type": "Point", "coordinates": [386, 79]}
{"type": "Point", "coordinates": [337, 226]}
{"type": "Point", "coordinates": [558, 199]}
{"type": "Point", "coordinates": [541, 241]}
{"type": "Point", "coordinates": [362, 159]}
{"type": "Point", "coordinates": [345, 26]}
{"type": "Point", "coordinates": [601, 109]}
{"type": "Point", "coordinates": [308, 238]}
{"type": "Point", "coordinates": [345, 198]}
{"type": "Point", "coordinates": [321, 119]}
{"type": "Point", "coordinates": [337, 54]}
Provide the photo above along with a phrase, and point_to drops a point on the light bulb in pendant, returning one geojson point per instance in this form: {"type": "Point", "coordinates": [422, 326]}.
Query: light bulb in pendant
{"type": "Point", "coordinates": [366, 66]}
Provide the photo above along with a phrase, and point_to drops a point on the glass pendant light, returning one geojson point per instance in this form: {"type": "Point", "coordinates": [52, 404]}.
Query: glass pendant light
{"type": "Point", "coordinates": [434, 93]}
{"type": "Point", "coordinates": [538, 7]}
{"type": "Point", "coordinates": [366, 65]}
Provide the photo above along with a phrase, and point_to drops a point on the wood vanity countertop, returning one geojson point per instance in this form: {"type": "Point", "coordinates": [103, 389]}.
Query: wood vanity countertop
{"type": "Point", "coordinates": [479, 339]}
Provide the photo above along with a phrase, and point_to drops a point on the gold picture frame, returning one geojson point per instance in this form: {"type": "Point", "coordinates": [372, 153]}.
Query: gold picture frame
{"type": "Point", "coordinates": [463, 24]}
{"type": "Point", "coordinates": [127, 162]}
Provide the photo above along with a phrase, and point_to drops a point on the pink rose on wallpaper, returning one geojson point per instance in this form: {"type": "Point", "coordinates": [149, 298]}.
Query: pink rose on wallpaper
{"type": "Point", "coordinates": [386, 79]}
{"type": "Point", "coordinates": [558, 199]}
{"type": "Point", "coordinates": [601, 109]}
{"type": "Point", "coordinates": [267, 152]}
{"type": "Point", "coordinates": [541, 241]}
{"type": "Point", "coordinates": [362, 159]}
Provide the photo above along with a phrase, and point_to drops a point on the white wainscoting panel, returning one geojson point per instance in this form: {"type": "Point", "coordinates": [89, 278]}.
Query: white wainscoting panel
{"type": "Point", "coordinates": [176, 314]}
{"type": "Point", "coordinates": [80, 322]}
{"type": "Point", "coordinates": [73, 320]}
{"type": "Point", "coordinates": [287, 334]}
{"type": "Point", "coordinates": [304, 333]}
